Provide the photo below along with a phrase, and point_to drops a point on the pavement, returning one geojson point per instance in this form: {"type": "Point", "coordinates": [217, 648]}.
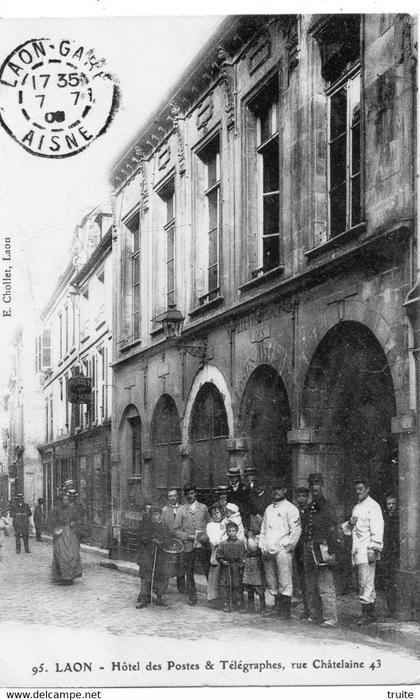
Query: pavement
{"type": "Point", "coordinates": [96, 619]}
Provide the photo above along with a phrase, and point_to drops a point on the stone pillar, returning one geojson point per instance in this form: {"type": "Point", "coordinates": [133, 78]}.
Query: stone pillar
{"type": "Point", "coordinates": [185, 452]}
{"type": "Point", "coordinates": [405, 429]}
{"type": "Point", "coordinates": [147, 475]}
{"type": "Point", "coordinates": [238, 452]}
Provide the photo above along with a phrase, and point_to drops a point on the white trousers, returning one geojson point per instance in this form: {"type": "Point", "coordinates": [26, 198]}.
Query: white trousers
{"type": "Point", "coordinates": [366, 582]}
{"type": "Point", "coordinates": [278, 572]}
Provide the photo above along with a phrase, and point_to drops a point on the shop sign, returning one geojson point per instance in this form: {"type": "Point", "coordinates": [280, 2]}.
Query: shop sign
{"type": "Point", "coordinates": [79, 389]}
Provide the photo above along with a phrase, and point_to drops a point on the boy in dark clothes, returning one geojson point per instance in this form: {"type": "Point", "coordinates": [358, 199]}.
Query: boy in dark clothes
{"type": "Point", "coordinates": [231, 555]}
{"type": "Point", "coordinates": [152, 560]}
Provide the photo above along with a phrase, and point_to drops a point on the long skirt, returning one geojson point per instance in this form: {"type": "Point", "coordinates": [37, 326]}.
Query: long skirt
{"type": "Point", "coordinates": [213, 582]}
{"type": "Point", "coordinates": [66, 564]}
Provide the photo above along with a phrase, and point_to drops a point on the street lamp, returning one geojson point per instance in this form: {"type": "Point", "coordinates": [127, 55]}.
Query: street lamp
{"type": "Point", "coordinates": [172, 322]}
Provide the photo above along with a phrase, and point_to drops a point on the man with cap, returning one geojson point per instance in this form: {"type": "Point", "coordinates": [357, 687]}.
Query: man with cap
{"type": "Point", "coordinates": [153, 535]}
{"type": "Point", "coordinates": [391, 554]}
{"type": "Point", "coordinates": [319, 541]}
{"type": "Point", "coordinates": [20, 514]}
{"type": "Point", "coordinates": [366, 527]}
{"type": "Point", "coordinates": [168, 518]}
{"type": "Point", "coordinates": [237, 492]}
{"type": "Point", "coordinates": [190, 527]}
{"type": "Point", "coordinates": [257, 500]}
{"type": "Point", "coordinates": [302, 494]}
{"type": "Point", "coordinates": [280, 532]}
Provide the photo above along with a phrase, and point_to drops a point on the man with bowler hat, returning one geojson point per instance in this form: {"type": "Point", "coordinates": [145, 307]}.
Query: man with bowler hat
{"type": "Point", "coordinates": [320, 543]}
{"type": "Point", "coordinates": [190, 527]}
{"type": "Point", "coordinates": [20, 513]}
{"type": "Point", "coordinates": [366, 527]}
{"type": "Point", "coordinates": [280, 532]}
{"type": "Point", "coordinates": [257, 499]}
{"type": "Point", "coordinates": [221, 495]}
{"type": "Point", "coordinates": [237, 492]}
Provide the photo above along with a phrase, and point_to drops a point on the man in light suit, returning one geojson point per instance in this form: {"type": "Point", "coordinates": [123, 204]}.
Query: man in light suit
{"type": "Point", "coordinates": [168, 518]}
{"type": "Point", "coordinates": [190, 527]}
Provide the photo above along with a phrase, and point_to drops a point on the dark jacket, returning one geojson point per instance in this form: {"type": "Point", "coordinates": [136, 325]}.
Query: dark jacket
{"type": "Point", "coordinates": [148, 535]}
{"type": "Point", "coordinates": [238, 497]}
{"type": "Point", "coordinates": [20, 513]}
{"type": "Point", "coordinates": [391, 550]}
{"type": "Point", "coordinates": [319, 524]}
{"type": "Point", "coordinates": [256, 501]}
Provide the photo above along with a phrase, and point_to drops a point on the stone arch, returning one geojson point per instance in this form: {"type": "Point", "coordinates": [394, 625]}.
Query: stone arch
{"type": "Point", "coordinates": [208, 374]}
{"type": "Point", "coordinates": [348, 401]}
{"type": "Point", "coordinates": [352, 309]}
{"type": "Point", "coordinates": [265, 419]}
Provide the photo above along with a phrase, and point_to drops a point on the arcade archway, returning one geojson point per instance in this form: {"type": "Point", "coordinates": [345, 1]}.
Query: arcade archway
{"type": "Point", "coordinates": [265, 420]}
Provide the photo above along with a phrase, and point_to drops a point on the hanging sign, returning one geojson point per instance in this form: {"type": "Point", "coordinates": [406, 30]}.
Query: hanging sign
{"type": "Point", "coordinates": [79, 389]}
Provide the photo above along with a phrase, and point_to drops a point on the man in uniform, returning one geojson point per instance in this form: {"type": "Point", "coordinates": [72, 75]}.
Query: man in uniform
{"type": "Point", "coordinates": [237, 492]}
{"type": "Point", "coordinates": [319, 543]}
{"type": "Point", "coordinates": [20, 513]}
{"type": "Point", "coordinates": [366, 527]}
{"type": "Point", "coordinates": [280, 532]}
{"type": "Point", "coordinates": [391, 554]}
{"type": "Point", "coordinates": [168, 519]}
{"type": "Point", "coordinates": [190, 527]}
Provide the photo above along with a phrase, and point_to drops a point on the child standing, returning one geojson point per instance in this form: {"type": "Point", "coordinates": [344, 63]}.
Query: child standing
{"type": "Point", "coordinates": [231, 555]}
{"type": "Point", "coordinates": [253, 579]}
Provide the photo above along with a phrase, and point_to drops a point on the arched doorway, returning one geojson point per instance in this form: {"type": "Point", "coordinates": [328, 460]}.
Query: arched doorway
{"type": "Point", "coordinates": [208, 431]}
{"type": "Point", "coordinates": [166, 438]}
{"type": "Point", "coordinates": [265, 420]}
{"type": "Point", "coordinates": [349, 396]}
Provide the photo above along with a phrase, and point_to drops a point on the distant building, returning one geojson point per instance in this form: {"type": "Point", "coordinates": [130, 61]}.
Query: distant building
{"type": "Point", "coordinates": [22, 465]}
{"type": "Point", "coordinates": [75, 344]}
{"type": "Point", "coordinates": [268, 204]}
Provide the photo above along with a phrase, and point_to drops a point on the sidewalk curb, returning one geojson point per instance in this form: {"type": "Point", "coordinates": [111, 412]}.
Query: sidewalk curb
{"type": "Point", "coordinates": [408, 637]}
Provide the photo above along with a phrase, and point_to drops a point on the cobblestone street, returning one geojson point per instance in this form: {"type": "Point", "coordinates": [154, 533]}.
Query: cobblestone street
{"type": "Point", "coordinates": [97, 615]}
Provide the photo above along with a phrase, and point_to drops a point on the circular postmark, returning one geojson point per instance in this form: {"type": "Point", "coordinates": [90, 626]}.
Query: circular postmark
{"type": "Point", "coordinates": [56, 97]}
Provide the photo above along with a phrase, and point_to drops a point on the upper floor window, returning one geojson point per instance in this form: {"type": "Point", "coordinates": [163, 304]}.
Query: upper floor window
{"type": "Point", "coordinates": [133, 225]}
{"type": "Point", "coordinates": [209, 194]}
{"type": "Point", "coordinates": [344, 154]}
{"type": "Point", "coordinates": [167, 195]}
{"type": "Point", "coordinates": [263, 179]}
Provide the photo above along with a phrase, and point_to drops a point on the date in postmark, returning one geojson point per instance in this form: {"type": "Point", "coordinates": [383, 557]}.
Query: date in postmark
{"type": "Point", "coordinates": [56, 97]}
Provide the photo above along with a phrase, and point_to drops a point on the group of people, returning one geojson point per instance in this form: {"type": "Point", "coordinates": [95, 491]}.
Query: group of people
{"type": "Point", "coordinates": [249, 541]}
{"type": "Point", "coordinates": [62, 523]}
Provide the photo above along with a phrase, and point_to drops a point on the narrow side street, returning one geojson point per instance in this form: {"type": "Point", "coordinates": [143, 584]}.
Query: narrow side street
{"type": "Point", "coordinates": [94, 621]}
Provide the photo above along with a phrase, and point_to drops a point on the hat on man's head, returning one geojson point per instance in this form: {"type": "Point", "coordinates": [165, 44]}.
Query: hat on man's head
{"type": "Point", "coordinates": [315, 477]}
{"type": "Point", "coordinates": [19, 495]}
{"type": "Point", "coordinates": [250, 471]}
{"type": "Point", "coordinates": [221, 490]}
{"type": "Point", "coordinates": [302, 489]}
{"type": "Point", "coordinates": [233, 471]}
{"type": "Point", "coordinates": [72, 493]}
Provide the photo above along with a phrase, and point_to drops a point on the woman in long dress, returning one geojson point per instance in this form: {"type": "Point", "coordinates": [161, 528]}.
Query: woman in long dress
{"type": "Point", "coordinates": [216, 532]}
{"type": "Point", "coordinates": [62, 522]}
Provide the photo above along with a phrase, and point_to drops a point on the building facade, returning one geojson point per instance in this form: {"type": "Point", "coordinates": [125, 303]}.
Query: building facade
{"type": "Point", "coordinates": [75, 343]}
{"type": "Point", "coordinates": [22, 465]}
{"type": "Point", "coordinates": [269, 203]}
